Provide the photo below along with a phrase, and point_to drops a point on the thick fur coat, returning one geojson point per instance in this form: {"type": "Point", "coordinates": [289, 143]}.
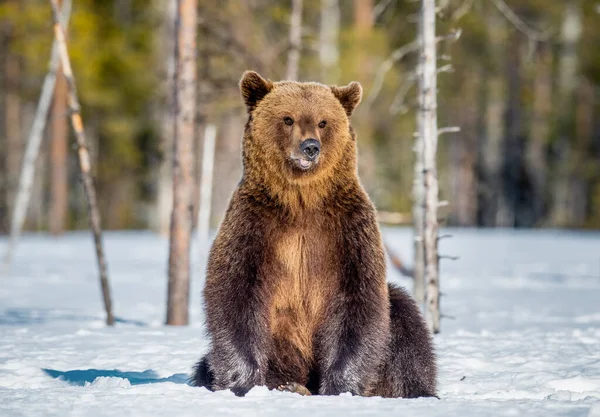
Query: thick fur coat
{"type": "Point", "coordinates": [296, 292]}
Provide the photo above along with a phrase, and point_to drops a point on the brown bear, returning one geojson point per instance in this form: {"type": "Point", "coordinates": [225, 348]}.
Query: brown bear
{"type": "Point", "coordinates": [296, 295]}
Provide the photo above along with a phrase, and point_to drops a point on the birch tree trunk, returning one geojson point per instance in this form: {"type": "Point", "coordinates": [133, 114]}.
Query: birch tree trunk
{"type": "Point", "coordinates": [27, 176]}
{"type": "Point", "coordinates": [329, 31]}
{"type": "Point", "coordinates": [568, 68]}
{"type": "Point", "coordinates": [206, 184]}
{"type": "Point", "coordinates": [293, 61]}
{"type": "Point", "coordinates": [429, 134]}
{"type": "Point", "coordinates": [492, 199]}
{"type": "Point", "coordinates": [164, 198]}
{"type": "Point", "coordinates": [540, 131]}
{"type": "Point", "coordinates": [418, 192]}
{"type": "Point", "coordinates": [84, 161]}
{"type": "Point", "coordinates": [59, 188]}
{"type": "Point", "coordinates": [508, 215]}
{"type": "Point", "coordinates": [12, 120]}
{"type": "Point", "coordinates": [183, 163]}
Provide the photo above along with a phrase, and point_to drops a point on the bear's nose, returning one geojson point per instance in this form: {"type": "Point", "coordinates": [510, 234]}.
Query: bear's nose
{"type": "Point", "coordinates": [310, 148]}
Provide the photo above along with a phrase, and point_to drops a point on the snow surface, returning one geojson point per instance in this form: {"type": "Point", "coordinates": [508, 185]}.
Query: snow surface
{"type": "Point", "coordinates": [522, 336]}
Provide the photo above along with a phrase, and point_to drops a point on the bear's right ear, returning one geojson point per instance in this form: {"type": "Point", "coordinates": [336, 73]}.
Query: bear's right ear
{"type": "Point", "coordinates": [254, 88]}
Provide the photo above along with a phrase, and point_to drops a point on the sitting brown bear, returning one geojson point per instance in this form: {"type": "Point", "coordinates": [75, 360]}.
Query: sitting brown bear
{"type": "Point", "coordinates": [296, 295]}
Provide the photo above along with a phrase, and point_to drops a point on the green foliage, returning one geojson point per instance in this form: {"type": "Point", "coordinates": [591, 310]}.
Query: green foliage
{"type": "Point", "coordinates": [120, 71]}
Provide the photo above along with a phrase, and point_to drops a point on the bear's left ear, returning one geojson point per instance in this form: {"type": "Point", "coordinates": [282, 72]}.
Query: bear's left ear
{"type": "Point", "coordinates": [254, 88]}
{"type": "Point", "coordinates": [349, 95]}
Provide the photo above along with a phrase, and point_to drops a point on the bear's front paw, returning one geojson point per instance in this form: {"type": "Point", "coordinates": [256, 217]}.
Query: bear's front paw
{"type": "Point", "coordinates": [294, 387]}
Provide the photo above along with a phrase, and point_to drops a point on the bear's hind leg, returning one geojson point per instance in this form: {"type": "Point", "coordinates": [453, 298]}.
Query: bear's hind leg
{"type": "Point", "coordinates": [409, 370]}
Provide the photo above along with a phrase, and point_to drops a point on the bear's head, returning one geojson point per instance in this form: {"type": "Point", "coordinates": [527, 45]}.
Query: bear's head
{"type": "Point", "coordinates": [298, 132]}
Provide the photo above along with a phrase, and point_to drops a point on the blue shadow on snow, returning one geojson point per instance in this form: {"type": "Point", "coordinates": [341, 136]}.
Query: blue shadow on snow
{"type": "Point", "coordinates": [80, 376]}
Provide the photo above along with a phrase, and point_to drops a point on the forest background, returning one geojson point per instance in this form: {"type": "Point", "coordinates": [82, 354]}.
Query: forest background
{"type": "Point", "coordinates": [522, 82]}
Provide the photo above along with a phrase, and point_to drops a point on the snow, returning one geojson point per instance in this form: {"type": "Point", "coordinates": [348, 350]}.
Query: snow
{"type": "Point", "coordinates": [521, 336]}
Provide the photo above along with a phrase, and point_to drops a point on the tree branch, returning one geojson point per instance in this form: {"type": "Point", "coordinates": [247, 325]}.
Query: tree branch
{"type": "Point", "coordinates": [518, 23]}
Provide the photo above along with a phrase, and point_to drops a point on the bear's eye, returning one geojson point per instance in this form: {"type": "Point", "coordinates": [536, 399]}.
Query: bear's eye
{"type": "Point", "coordinates": [322, 124]}
{"type": "Point", "coordinates": [288, 120]}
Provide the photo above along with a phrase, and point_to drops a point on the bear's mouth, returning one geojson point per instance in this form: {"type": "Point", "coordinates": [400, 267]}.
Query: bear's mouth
{"type": "Point", "coordinates": [303, 164]}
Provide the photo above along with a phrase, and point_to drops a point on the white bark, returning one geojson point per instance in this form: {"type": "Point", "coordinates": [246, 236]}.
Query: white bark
{"type": "Point", "coordinates": [164, 198]}
{"type": "Point", "coordinates": [329, 32]}
{"type": "Point", "coordinates": [293, 61]}
{"type": "Point", "coordinates": [84, 161]}
{"type": "Point", "coordinates": [206, 183]}
{"type": "Point", "coordinates": [495, 211]}
{"type": "Point", "coordinates": [429, 135]}
{"type": "Point", "coordinates": [33, 145]}
{"type": "Point", "coordinates": [419, 197]}
{"type": "Point", "coordinates": [568, 70]}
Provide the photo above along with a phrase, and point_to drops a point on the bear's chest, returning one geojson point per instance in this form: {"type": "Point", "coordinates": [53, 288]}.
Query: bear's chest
{"type": "Point", "coordinates": [304, 264]}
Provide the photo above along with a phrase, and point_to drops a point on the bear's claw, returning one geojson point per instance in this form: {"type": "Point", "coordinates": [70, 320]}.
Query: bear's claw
{"type": "Point", "coordinates": [294, 387]}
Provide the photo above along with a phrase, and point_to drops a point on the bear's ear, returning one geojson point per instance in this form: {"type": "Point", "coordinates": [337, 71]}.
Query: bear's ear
{"type": "Point", "coordinates": [254, 88]}
{"type": "Point", "coordinates": [349, 95]}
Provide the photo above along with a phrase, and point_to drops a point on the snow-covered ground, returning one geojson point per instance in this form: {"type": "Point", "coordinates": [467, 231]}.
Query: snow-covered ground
{"type": "Point", "coordinates": [521, 337]}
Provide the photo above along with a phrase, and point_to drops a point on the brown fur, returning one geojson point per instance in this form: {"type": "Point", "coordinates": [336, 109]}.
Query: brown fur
{"type": "Point", "coordinates": [296, 289]}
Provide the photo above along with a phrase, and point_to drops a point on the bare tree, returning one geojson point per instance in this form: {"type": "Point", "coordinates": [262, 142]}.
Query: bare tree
{"type": "Point", "coordinates": [59, 178]}
{"type": "Point", "coordinates": [329, 31]}
{"type": "Point", "coordinates": [493, 199]}
{"type": "Point", "coordinates": [568, 67]}
{"type": "Point", "coordinates": [164, 198]}
{"type": "Point", "coordinates": [12, 114]}
{"type": "Point", "coordinates": [418, 190]}
{"type": "Point", "coordinates": [206, 183]}
{"type": "Point", "coordinates": [84, 160]}
{"type": "Point", "coordinates": [428, 132]}
{"type": "Point", "coordinates": [293, 62]}
{"type": "Point", "coordinates": [537, 166]}
{"type": "Point", "coordinates": [183, 163]}
{"type": "Point", "coordinates": [26, 179]}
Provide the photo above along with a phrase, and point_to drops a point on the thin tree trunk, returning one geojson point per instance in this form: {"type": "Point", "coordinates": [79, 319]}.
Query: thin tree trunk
{"type": "Point", "coordinates": [183, 163]}
{"type": "Point", "coordinates": [33, 145]}
{"type": "Point", "coordinates": [363, 28]}
{"type": "Point", "coordinates": [540, 131]}
{"type": "Point", "coordinates": [513, 143]}
{"type": "Point", "coordinates": [429, 133]}
{"type": "Point", "coordinates": [568, 70]}
{"type": "Point", "coordinates": [164, 199]}
{"type": "Point", "coordinates": [12, 120]}
{"type": "Point", "coordinates": [329, 31]}
{"type": "Point", "coordinates": [59, 189]}
{"type": "Point", "coordinates": [206, 184]}
{"type": "Point", "coordinates": [418, 192]}
{"type": "Point", "coordinates": [84, 161]}
{"type": "Point", "coordinates": [492, 200]}
{"type": "Point", "coordinates": [293, 62]}
{"type": "Point", "coordinates": [463, 150]}
{"type": "Point", "coordinates": [363, 16]}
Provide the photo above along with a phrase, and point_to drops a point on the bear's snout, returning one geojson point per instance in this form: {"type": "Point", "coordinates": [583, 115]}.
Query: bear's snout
{"type": "Point", "coordinates": [310, 148]}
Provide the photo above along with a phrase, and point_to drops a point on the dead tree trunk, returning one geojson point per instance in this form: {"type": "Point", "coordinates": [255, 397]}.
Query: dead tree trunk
{"type": "Point", "coordinates": [492, 198]}
{"type": "Point", "coordinates": [164, 198]}
{"type": "Point", "coordinates": [568, 70]}
{"type": "Point", "coordinates": [537, 164]}
{"type": "Point", "coordinates": [33, 146]}
{"type": "Point", "coordinates": [329, 31]}
{"type": "Point", "coordinates": [59, 178]}
{"type": "Point", "coordinates": [12, 118]}
{"type": "Point", "coordinates": [206, 183]}
{"type": "Point", "coordinates": [429, 135]}
{"type": "Point", "coordinates": [418, 191]}
{"type": "Point", "coordinates": [84, 160]}
{"type": "Point", "coordinates": [293, 62]}
{"type": "Point", "coordinates": [183, 163]}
